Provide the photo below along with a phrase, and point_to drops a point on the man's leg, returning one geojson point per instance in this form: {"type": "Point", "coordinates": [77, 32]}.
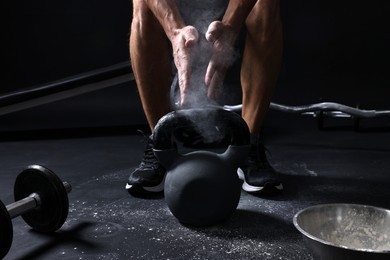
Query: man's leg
{"type": "Point", "coordinates": [261, 61]}
{"type": "Point", "coordinates": [151, 63]}
{"type": "Point", "coordinates": [259, 72]}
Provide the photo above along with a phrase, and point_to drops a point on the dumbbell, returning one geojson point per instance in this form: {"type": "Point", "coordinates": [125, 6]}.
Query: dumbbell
{"type": "Point", "coordinates": [41, 198]}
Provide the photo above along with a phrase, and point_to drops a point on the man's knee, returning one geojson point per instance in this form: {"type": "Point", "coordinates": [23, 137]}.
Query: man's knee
{"type": "Point", "coordinates": [144, 20]}
{"type": "Point", "coordinates": [140, 9]}
{"type": "Point", "coordinates": [264, 20]}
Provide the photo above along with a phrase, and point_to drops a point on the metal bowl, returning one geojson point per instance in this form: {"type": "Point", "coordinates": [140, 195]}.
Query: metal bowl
{"type": "Point", "coordinates": [345, 231]}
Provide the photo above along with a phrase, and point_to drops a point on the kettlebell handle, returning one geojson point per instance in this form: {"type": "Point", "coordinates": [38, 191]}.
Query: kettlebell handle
{"type": "Point", "coordinates": [232, 124]}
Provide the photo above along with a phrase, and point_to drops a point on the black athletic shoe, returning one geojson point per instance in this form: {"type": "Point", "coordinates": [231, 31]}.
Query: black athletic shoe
{"type": "Point", "coordinates": [257, 174]}
{"type": "Point", "coordinates": [149, 177]}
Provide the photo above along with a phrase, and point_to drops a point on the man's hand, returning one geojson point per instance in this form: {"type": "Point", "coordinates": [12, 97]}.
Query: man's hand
{"type": "Point", "coordinates": [183, 42]}
{"type": "Point", "coordinates": [222, 37]}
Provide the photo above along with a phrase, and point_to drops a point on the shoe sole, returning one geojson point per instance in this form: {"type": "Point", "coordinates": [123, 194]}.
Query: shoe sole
{"type": "Point", "coordinates": [143, 189]}
{"type": "Point", "coordinates": [267, 188]}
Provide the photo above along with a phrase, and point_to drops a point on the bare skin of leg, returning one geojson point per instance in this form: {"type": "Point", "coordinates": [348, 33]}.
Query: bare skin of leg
{"type": "Point", "coordinates": [157, 25]}
{"type": "Point", "coordinates": [151, 62]}
{"type": "Point", "coordinates": [261, 61]}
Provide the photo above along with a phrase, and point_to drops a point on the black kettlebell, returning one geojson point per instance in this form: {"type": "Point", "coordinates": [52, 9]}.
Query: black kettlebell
{"type": "Point", "coordinates": [202, 187]}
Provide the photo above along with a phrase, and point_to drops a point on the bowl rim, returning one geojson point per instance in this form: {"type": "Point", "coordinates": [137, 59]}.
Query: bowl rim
{"type": "Point", "coordinates": [322, 241]}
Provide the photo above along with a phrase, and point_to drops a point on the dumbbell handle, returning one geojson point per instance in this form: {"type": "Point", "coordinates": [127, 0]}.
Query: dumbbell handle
{"type": "Point", "coordinates": [27, 204]}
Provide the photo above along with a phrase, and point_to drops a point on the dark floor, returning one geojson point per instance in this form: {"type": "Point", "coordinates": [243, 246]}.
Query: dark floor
{"type": "Point", "coordinates": [105, 222]}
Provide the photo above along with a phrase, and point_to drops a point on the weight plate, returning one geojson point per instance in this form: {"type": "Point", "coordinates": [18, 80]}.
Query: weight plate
{"type": "Point", "coordinates": [54, 207]}
{"type": "Point", "coordinates": [6, 231]}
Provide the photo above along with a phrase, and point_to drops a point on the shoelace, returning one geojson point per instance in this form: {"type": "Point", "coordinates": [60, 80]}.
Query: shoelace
{"type": "Point", "coordinates": [149, 160]}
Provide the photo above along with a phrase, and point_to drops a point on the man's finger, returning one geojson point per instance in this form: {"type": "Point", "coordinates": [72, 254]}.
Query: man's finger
{"type": "Point", "coordinates": [189, 43]}
{"type": "Point", "coordinates": [215, 84]}
{"type": "Point", "coordinates": [211, 68]}
{"type": "Point", "coordinates": [214, 31]}
{"type": "Point", "coordinates": [184, 82]}
{"type": "Point", "coordinates": [191, 36]}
